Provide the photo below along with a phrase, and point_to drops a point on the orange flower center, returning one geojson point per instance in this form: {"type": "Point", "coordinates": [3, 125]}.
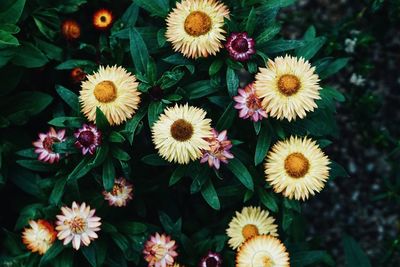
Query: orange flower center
{"type": "Point", "coordinates": [105, 91]}
{"type": "Point", "coordinates": [288, 84]}
{"type": "Point", "coordinates": [181, 130]}
{"type": "Point", "coordinates": [117, 190]}
{"type": "Point", "coordinates": [296, 165]}
{"type": "Point", "coordinates": [197, 23]}
{"type": "Point", "coordinates": [268, 262]}
{"type": "Point", "coordinates": [249, 231]}
{"type": "Point", "coordinates": [77, 225]}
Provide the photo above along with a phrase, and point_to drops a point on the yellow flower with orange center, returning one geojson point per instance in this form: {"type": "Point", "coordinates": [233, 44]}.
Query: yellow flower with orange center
{"type": "Point", "coordinates": [103, 19]}
{"type": "Point", "coordinates": [195, 27]}
{"type": "Point", "coordinates": [297, 168]}
{"type": "Point", "coordinates": [39, 237]}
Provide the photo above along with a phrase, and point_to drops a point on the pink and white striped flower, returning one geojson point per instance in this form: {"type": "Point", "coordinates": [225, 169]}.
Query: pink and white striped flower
{"type": "Point", "coordinates": [44, 145]}
{"type": "Point", "coordinates": [77, 224]}
{"type": "Point", "coordinates": [88, 138]}
{"type": "Point", "coordinates": [120, 194]}
{"type": "Point", "coordinates": [219, 149]}
{"type": "Point", "coordinates": [249, 104]}
{"type": "Point", "coordinates": [160, 251]}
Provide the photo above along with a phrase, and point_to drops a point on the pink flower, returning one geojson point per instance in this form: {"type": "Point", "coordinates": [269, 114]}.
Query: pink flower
{"type": "Point", "coordinates": [212, 259]}
{"type": "Point", "coordinates": [120, 194]}
{"type": "Point", "coordinates": [240, 46]}
{"type": "Point", "coordinates": [249, 104]}
{"type": "Point", "coordinates": [159, 251]}
{"type": "Point", "coordinates": [88, 138]}
{"type": "Point", "coordinates": [44, 145]}
{"type": "Point", "coordinates": [219, 149]}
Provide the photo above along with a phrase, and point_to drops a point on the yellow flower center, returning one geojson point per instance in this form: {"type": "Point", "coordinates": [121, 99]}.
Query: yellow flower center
{"type": "Point", "coordinates": [268, 262]}
{"type": "Point", "coordinates": [77, 225]}
{"type": "Point", "coordinates": [296, 165]}
{"type": "Point", "coordinates": [197, 23]}
{"type": "Point", "coordinates": [181, 130]}
{"type": "Point", "coordinates": [288, 84]}
{"type": "Point", "coordinates": [249, 231]}
{"type": "Point", "coordinates": [159, 251]}
{"type": "Point", "coordinates": [105, 91]}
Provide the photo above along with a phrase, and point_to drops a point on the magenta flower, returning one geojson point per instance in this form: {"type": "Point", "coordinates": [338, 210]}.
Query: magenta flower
{"type": "Point", "coordinates": [219, 149]}
{"type": "Point", "coordinates": [212, 259]}
{"type": "Point", "coordinates": [44, 145]}
{"type": "Point", "coordinates": [88, 138]}
{"type": "Point", "coordinates": [240, 46]}
{"type": "Point", "coordinates": [249, 104]}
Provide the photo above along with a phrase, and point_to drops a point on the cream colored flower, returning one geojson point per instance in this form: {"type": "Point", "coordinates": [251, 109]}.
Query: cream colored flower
{"type": "Point", "coordinates": [251, 221]}
{"type": "Point", "coordinates": [262, 251]}
{"type": "Point", "coordinates": [195, 27]}
{"type": "Point", "coordinates": [114, 91]}
{"type": "Point", "coordinates": [288, 87]}
{"type": "Point", "coordinates": [39, 237]}
{"type": "Point", "coordinates": [297, 168]}
{"type": "Point", "coordinates": [179, 133]}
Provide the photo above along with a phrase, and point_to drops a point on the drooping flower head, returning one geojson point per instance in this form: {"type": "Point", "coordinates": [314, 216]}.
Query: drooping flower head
{"type": "Point", "coordinates": [219, 149]}
{"type": "Point", "coordinates": [39, 237]}
{"type": "Point", "coordinates": [297, 168]}
{"type": "Point", "coordinates": [77, 224]}
{"type": "Point", "coordinates": [180, 132]}
{"type": "Point", "coordinates": [44, 145]}
{"type": "Point", "coordinates": [249, 104]}
{"type": "Point", "coordinates": [250, 222]}
{"type": "Point", "coordinates": [160, 250]}
{"type": "Point", "coordinates": [77, 75]}
{"type": "Point", "coordinates": [103, 19]}
{"type": "Point", "coordinates": [120, 194]}
{"type": "Point", "coordinates": [288, 87]}
{"type": "Point", "coordinates": [70, 29]}
{"type": "Point", "coordinates": [195, 28]}
{"type": "Point", "coordinates": [240, 47]}
{"type": "Point", "coordinates": [88, 138]}
{"type": "Point", "coordinates": [262, 250]}
{"type": "Point", "coordinates": [211, 259]}
{"type": "Point", "coordinates": [114, 91]}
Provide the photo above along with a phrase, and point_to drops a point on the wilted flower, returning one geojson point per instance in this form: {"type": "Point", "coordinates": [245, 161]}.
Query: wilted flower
{"type": "Point", "coordinates": [71, 29]}
{"type": "Point", "coordinates": [39, 237]}
{"type": "Point", "coordinates": [102, 19]}
{"type": "Point", "coordinates": [77, 224]}
{"type": "Point", "coordinates": [44, 145]}
{"type": "Point", "coordinates": [88, 138]}
{"type": "Point", "coordinates": [240, 46]}
{"type": "Point", "coordinates": [212, 259]}
{"type": "Point", "coordinates": [77, 75]}
{"type": "Point", "coordinates": [218, 150]}
{"type": "Point", "coordinates": [159, 251]}
{"type": "Point", "coordinates": [249, 104]}
{"type": "Point", "coordinates": [120, 194]}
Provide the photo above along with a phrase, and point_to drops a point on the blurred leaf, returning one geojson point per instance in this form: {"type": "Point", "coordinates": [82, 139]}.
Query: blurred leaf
{"type": "Point", "coordinates": [58, 191]}
{"type": "Point", "coordinates": [232, 81]}
{"type": "Point", "coordinates": [81, 169]}
{"type": "Point", "coordinates": [154, 160]}
{"type": "Point", "coordinates": [241, 172]}
{"type": "Point", "coordinates": [158, 8]}
{"type": "Point", "coordinates": [70, 122]}
{"type": "Point", "coordinates": [76, 63]}
{"type": "Point", "coordinates": [90, 254]}
{"type": "Point", "coordinates": [139, 53]}
{"type": "Point", "coordinates": [69, 97]}
{"type": "Point", "coordinates": [51, 253]}
{"type": "Point", "coordinates": [226, 120]}
{"type": "Point", "coordinates": [13, 12]}
{"type": "Point", "coordinates": [101, 120]}
{"type": "Point", "coordinates": [263, 143]}
{"type": "Point", "coordinates": [131, 125]}
{"type": "Point", "coordinates": [108, 174]}
{"type": "Point", "coordinates": [277, 3]}
{"type": "Point", "coordinates": [177, 175]}
{"type": "Point", "coordinates": [27, 55]}
{"type": "Point", "coordinates": [311, 48]}
{"type": "Point", "coordinates": [332, 68]}
{"type": "Point", "coordinates": [36, 165]}
{"type": "Point", "coordinates": [268, 34]}
{"type": "Point", "coordinates": [279, 46]}
{"type": "Point", "coordinates": [132, 228]}
{"type": "Point", "coordinates": [354, 255]}
{"type": "Point", "coordinates": [199, 89]}
{"type": "Point", "coordinates": [251, 22]}
{"type": "Point", "coordinates": [215, 67]}
{"type": "Point", "coordinates": [155, 109]}
{"type": "Point", "coordinates": [307, 258]}
{"type": "Point", "coordinates": [210, 195]}
{"type": "Point", "coordinates": [267, 200]}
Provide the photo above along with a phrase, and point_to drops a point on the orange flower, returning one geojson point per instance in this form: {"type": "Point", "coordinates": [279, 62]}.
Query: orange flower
{"type": "Point", "coordinates": [77, 75]}
{"type": "Point", "coordinates": [102, 19]}
{"type": "Point", "coordinates": [39, 236]}
{"type": "Point", "coordinates": [71, 29]}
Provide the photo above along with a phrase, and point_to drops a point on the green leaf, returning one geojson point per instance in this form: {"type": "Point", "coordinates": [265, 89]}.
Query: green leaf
{"type": "Point", "coordinates": [311, 48]}
{"type": "Point", "coordinates": [155, 109]}
{"type": "Point", "coordinates": [7, 40]}
{"type": "Point", "coordinates": [267, 200]}
{"type": "Point", "coordinates": [232, 81]}
{"type": "Point", "coordinates": [81, 169]}
{"type": "Point", "coordinates": [354, 255]}
{"type": "Point", "coordinates": [263, 143]}
{"type": "Point", "coordinates": [27, 55]}
{"type": "Point", "coordinates": [69, 97]}
{"type": "Point", "coordinates": [51, 253]}
{"type": "Point", "coordinates": [251, 22]}
{"type": "Point", "coordinates": [120, 154]}
{"type": "Point", "coordinates": [241, 172]}
{"type": "Point", "coordinates": [277, 3]}
{"type": "Point", "coordinates": [337, 170]}
{"type": "Point", "coordinates": [279, 46]}
{"type": "Point", "coordinates": [171, 78]}
{"type": "Point", "coordinates": [58, 191]}
{"type": "Point", "coordinates": [90, 254]}
{"type": "Point", "coordinates": [108, 174]}
{"type": "Point", "coordinates": [70, 122]}
{"type": "Point", "coordinates": [154, 160]}
{"type": "Point", "coordinates": [101, 155]}
{"type": "Point", "coordinates": [140, 55]}
{"type": "Point", "coordinates": [76, 63]}
{"type": "Point", "coordinates": [215, 67]}
{"type": "Point", "coordinates": [101, 120]}
{"type": "Point", "coordinates": [177, 175]}
{"type": "Point", "coordinates": [12, 13]}
{"type": "Point", "coordinates": [199, 89]}
{"type": "Point", "coordinates": [51, 51]}
{"type": "Point", "coordinates": [268, 34]}
{"type": "Point", "coordinates": [116, 137]}
{"type": "Point", "coordinates": [226, 120]}
{"type": "Point", "coordinates": [161, 39]}
{"type": "Point", "coordinates": [132, 124]}
{"type": "Point", "coordinates": [210, 195]}
{"type": "Point", "coordinates": [333, 67]}
{"type": "Point", "coordinates": [36, 165]}
{"type": "Point", "coordinates": [132, 228]}
{"type": "Point", "coordinates": [27, 181]}
{"type": "Point", "coordinates": [307, 258]}
{"type": "Point", "coordinates": [158, 8]}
